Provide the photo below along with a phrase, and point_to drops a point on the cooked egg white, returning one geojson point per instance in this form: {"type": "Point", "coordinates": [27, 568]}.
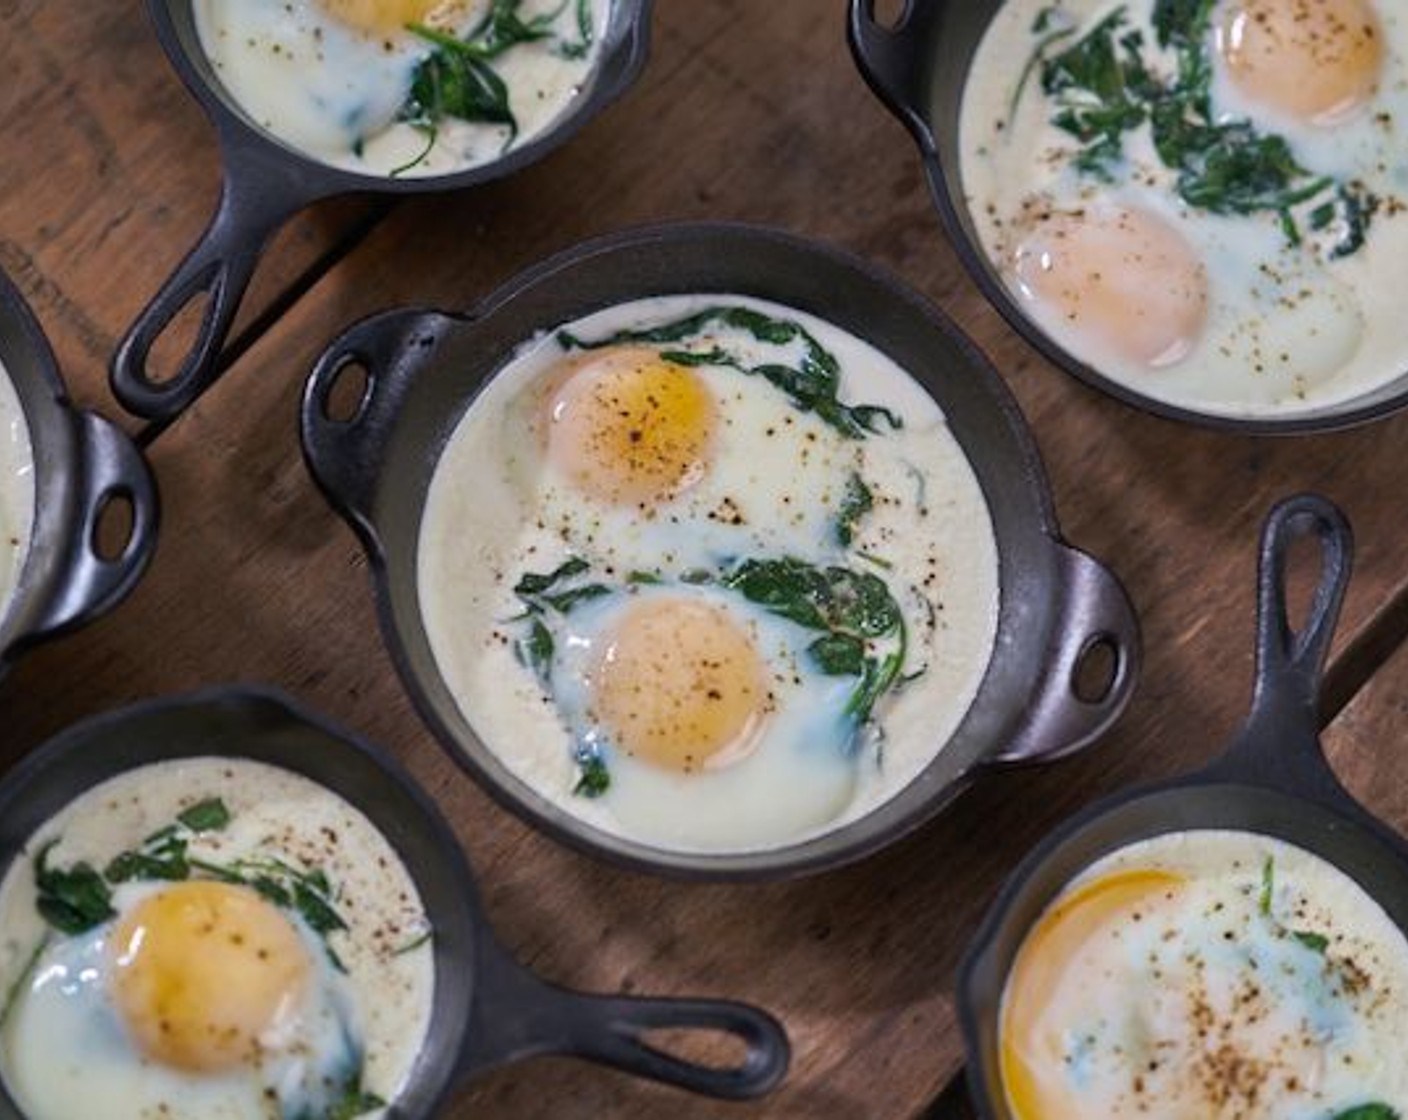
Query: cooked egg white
{"type": "Point", "coordinates": [1208, 975]}
{"type": "Point", "coordinates": [717, 728]}
{"type": "Point", "coordinates": [1219, 313]}
{"type": "Point", "coordinates": [201, 998]}
{"type": "Point", "coordinates": [330, 78]}
{"type": "Point", "coordinates": [16, 489]}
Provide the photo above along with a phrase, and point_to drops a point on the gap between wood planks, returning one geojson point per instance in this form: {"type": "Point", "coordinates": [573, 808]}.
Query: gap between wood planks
{"type": "Point", "coordinates": [243, 341]}
{"type": "Point", "coordinates": [1364, 656]}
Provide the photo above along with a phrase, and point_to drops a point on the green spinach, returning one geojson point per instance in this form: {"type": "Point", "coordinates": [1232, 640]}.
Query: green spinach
{"type": "Point", "coordinates": [353, 1102]}
{"type": "Point", "coordinates": [594, 778]}
{"type": "Point", "coordinates": [540, 594]}
{"type": "Point", "coordinates": [852, 610]}
{"type": "Point", "coordinates": [1375, 1111]}
{"type": "Point", "coordinates": [72, 901]}
{"type": "Point", "coordinates": [811, 383]}
{"type": "Point", "coordinates": [856, 502]}
{"type": "Point", "coordinates": [457, 78]}
{"type": "Point", "coordinates": [209, 815]}
{"type": "Point", "coordinates": [79, 898]}
{"type": "Point", "coordinates": [1102, 88]}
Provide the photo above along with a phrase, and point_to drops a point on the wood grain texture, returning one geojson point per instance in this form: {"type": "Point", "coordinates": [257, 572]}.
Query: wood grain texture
{"type": "Point", "coordinates": [747, 111]}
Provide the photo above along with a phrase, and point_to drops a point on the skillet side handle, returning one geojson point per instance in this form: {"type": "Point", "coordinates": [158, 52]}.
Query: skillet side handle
{"type": "Point", "coordinates": [112, 470]}
{"type": "Point", "coordinates": [1096, 613]}
{"type": "Point", "coordinates": [892, 62]}
{"type": "Point", "coordinates": [516, 1016]}
{"type": "Point", "coordinates": [1290, 661]}
{"type": "Point", "coordinates": [344, 454]}
{"type": "Point", "coordinates": [219, 268]}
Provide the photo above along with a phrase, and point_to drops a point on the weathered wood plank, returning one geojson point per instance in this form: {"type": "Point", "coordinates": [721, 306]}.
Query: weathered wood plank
{"type": "Point", "coordinates": [109, 173]}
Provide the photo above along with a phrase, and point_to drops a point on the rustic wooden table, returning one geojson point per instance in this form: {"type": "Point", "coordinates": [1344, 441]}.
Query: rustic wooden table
{"type": "Point", "coordinates": [747, 111]}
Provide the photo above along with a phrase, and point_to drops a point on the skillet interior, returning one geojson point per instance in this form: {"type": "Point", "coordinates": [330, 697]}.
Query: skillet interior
{"type": "Point", "coordinates": [262, 727]}
{"type": "Point", "coordinates": [434, 366]}
{"type": "Point", "coordinates": [1350, 840]}
{"type": "Point", "coordinates": [922, 82]}
{"type": "Point", "coordinates": [53, 441]}
{"type": "Point", "coordinates": [621, 55]}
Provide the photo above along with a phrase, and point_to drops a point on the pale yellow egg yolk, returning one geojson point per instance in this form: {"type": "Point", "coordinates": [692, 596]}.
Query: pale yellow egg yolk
{"type": "Point", "coordinates": [1122, 278]}
{"type": "Point", "coordinates": [205, 973]}
{"type": "Point", "coordinates": [1032, 1032]}
{"type": "Point", "coordinates": [627, 428]}
{"type": "Point", "coordinates": [384, 17]}
{"type": "Point", "coordinates": [1312, 59]}
{"type": "Point", "coordinates": [680, 685]}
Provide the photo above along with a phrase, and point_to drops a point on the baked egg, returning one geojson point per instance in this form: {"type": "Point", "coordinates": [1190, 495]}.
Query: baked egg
{"type": "Point", "coordinates": [1209, 974]}
{"type": "Point", "coordinates": [210, 938]}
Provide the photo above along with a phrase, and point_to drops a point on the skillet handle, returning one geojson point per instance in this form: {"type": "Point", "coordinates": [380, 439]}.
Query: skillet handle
{"type": "Point", "coordinates": [1096, 613]}
{"type": "Point", "coordinates": [345, 453]}
{"type": "Point", "coordinates": [892, 61]}
{"type": "Point", "coordinates": [111, 469]}
{"type": "Point", "coordinates": [1289, 661]}
{"type": "Point", "coordinates": [1279, 745]}
{"type": "Point", "coordinates": [516, 1015]}
{"type": "Point", "coordinates": [252, 205]}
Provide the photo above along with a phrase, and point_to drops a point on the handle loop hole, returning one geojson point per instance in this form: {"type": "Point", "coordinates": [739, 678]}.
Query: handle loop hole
{"type": "Point", "coordinates": [347, 392]}
{"type": "Point", "coordinates": [712, 1048]}
{"type": "Point", "coordinates": [890, 14]}
{"type": "Point", "coordinates": [1302, 591]}
{"type": "Point", "coordinates": [114, 525]}
{"type": "Point", "coordinates": [177, 337]}
{"type": "Point", "coordinates": [1097, 669]}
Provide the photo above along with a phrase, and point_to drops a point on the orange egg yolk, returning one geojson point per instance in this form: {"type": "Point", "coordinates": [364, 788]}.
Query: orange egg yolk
{"type": "Point", "coordinates": [1312, 59]}
{"type": "Point", "coordinates": [384, 17]}
{"type": "Point", "coordinates": [628, 428]}
{"type": "Point", "coordinates": [681, 685]}
{"type": "Point", "coordinates": [1033, 1031]}
{"type": "Point", "coordinates": [1120, 278]}
{"type": "Point", "coordinates": [206, 973]}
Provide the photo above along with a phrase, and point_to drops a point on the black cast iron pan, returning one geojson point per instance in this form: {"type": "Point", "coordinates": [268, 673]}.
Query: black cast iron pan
{"type": "Point", "coordinates": [488, 1010]}
{"type": "Point", "coordinates": [918, 68]}
{"type": "Point", "coordinates": [82, 463]}
{"type": "Point", "coordinates": [424, 369]}
{"type": "Point", "coordinates": [266, 182]}
{"type": "Point", "coordinates": [1273, 779]}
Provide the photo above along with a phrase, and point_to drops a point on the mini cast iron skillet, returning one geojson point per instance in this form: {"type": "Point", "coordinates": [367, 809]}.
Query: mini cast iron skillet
{"type": "Point", "coordinates": [82, 463]}
{"type": "Point", "coordinates": [918, 70]}
{"type": "Point", "coordinates": [424, 369]}
{"type": "Point", "coordinates": [266, 182]}
{"type": "Point", "coordinates": [488, 1010]}
{"type": "Point", "coordinates": [1273, 779]}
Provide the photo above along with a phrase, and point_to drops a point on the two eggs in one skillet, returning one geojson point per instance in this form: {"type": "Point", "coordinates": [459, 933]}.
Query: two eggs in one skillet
{"type": "Point", "coordinates": [1201, 201]}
